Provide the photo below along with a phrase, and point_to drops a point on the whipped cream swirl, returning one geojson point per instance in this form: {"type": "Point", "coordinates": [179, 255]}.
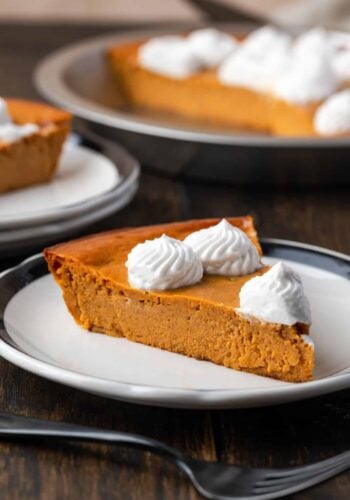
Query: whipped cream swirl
{"type": "Point", "coordinates": [340, 40]}
{"type": "Point", "coordinates": [341, 64]}
{"type": "Point", "coordinates": [265, 39]}
{"type": "Point", "coordinates": [224, 249]}
{"type": "Point", "coordinates": [307, 80]}
{"type": "Point", "coordinates": [9, 131]}
{"type": "Point", "coordinates": [275, 297]}
{"type": "Point", "coordinates": [163, 263]}
{"type": "Point", "coordinates": [169, 56]}
{"type": "Point", "coordinates": [258, 61]}
{"type": "Point", "coordinates": [180, 57]}
{"type": "Point", "coordinates": [333, 116]}
{"type": "Point", "coordinates": [211, 46]}
{"type": "Point", "coordinates": [311, 42]}
{"type": "Point", "coordinates": [310, 76]}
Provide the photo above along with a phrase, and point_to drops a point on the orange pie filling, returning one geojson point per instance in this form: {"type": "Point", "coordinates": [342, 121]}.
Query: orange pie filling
{"type": "Point", "coordinates": [31, 139]}
{"type": "Point", "coordinates": [265, 81]}
{"type": "Point", "coordinates": [204, 319]}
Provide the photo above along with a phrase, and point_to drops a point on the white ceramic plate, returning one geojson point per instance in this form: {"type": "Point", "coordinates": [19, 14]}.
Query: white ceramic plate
{"type": "Point", "coordinates": [39, 335]}
{"type": "Point", "coordinates": [82, 177]}
{"type": "Point", "coordinates": [41, 228]}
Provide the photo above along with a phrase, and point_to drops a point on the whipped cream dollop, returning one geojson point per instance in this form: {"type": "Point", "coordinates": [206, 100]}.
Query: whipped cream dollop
{"type": "Point", "coordinates": [224, 249]}
{"type": "Point", "coordinates": [170, 56]}
{"type": "Point", "coordinates": [275, 297]}
{"type": "Point", "coordinates": [180, 57]}
{"type": "Point", "coordinates": [311, 75]}
{"type": "Point", "coordinates": [9, 131]}
{"type": "Point", "coordinates": [312, 41]}
{"type": "Point", "coordinates": [340, 40]}
{"type": "Point", "coordinates": [308, 79]}
{"type": "Point", "coordinates": [265, 39]}
{"type": "Point", "coordinates": [211, 46]}
{"type": "Point", "coordinates": [163, 263]}
{"type": "Point", "coordinates": [257, 62]}
{"type": "Point", "coordinates": [341, 64]}
{"type": "Point", "coordinates": [333, 116]}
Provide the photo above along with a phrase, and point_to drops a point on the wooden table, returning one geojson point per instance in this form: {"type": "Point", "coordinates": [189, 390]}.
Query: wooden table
{"type": "Point", "coordinates": [282, 435]}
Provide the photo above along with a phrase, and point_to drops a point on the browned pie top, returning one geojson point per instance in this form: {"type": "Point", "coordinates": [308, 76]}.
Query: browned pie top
{"type": "Point", "coordinates": [23, 112]}
{"type": "Point", "coordinates": [48, 118]}
{"type": "Point", "coordinates": [105, 254]}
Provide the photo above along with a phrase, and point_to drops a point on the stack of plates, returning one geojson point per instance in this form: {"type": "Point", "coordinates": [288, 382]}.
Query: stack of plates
{"type": "Point", "coordinates": [90, 184]}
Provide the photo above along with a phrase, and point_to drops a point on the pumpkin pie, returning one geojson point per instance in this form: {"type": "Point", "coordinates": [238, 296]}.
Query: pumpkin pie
{"type": "Point", "coordinates": [32, 159]}
{"type": "Point", "coordinates": [199, 320]}
{"type": "Point", "coordinates": [201, 97]}
{"type": "Point", "coordinates": [204, 95]}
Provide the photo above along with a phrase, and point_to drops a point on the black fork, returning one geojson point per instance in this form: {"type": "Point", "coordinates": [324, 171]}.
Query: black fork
{"type": "Point", "coordinates": [212, 480]}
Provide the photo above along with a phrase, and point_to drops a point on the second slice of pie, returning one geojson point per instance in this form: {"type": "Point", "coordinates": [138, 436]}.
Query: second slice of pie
{"type": "Point", "coordinates": [32, 135]}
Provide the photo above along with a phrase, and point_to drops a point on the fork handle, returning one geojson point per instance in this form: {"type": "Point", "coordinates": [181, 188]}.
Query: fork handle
{"type": "Point", "coordinates": [25, 427]}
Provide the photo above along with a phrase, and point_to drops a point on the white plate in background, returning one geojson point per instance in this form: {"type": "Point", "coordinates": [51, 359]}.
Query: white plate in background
{"type": "Point", "coordinates": [81, 178]}
{"type": "Point", "coordinates": [47, 227]}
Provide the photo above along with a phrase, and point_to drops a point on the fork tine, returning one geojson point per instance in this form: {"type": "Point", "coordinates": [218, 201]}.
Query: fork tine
{"type": "Point", "coordinates": [279, 484]}
{"type": "Point", "coordinates": [298, 476]}
{"type": "Point", "coordinates": [291, 471]}
{"type": "Point", "coordinates": [282, 479]}
{"type": "Point", "coordinates": [301, 485]}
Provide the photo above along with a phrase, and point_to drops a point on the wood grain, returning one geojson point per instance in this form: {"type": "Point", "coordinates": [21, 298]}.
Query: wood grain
{"type": "Point", "coordinates": [282, 435]}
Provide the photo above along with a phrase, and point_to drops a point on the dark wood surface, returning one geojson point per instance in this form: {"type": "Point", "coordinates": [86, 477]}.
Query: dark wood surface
{"type": "Point", "coordinates": [281, 435]}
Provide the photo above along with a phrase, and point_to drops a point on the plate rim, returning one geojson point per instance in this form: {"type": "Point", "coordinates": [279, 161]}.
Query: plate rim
{"type": "Point", "coordinates": [177, 397]}
{"type": "Point", "coordinates": [48, 78]}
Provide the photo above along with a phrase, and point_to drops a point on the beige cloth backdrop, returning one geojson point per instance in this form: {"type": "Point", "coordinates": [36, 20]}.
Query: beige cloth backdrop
{"type": "Point", "coordinates": [330, 13]}
{"type": "Point", "coordinates": [98, 10]}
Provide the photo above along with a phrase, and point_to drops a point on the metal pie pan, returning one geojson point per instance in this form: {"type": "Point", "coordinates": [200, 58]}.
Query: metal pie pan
{"type": "Point", "coordinates": [77, 78]}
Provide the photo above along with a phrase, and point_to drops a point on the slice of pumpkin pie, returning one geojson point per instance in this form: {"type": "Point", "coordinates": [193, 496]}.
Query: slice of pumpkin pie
{"type": "Point", "coordinates": [196, 288]}
{"type": "Point", "coordinates": [31, 139]}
